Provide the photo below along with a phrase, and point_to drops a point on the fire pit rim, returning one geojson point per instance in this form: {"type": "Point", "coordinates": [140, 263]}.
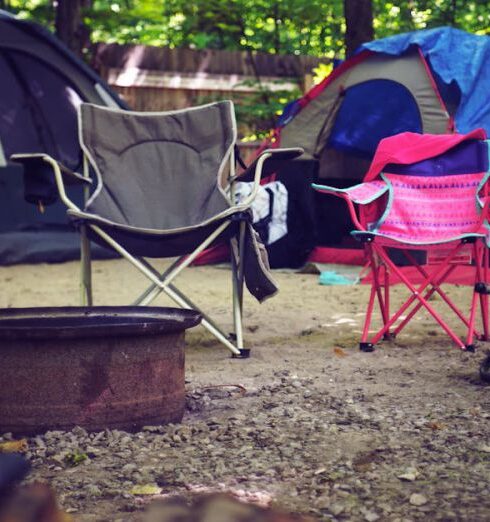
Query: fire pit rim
{"type": "Point", "coordinates": [95, 321]}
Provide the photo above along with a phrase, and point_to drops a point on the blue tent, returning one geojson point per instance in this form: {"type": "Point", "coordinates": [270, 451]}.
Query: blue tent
{"type": "Point", "coordinates": [460, 64]}
{"type": "Point", "coordinates": [433, 81]}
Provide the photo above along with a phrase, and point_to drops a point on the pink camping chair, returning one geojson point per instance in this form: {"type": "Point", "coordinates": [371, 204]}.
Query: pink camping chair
{"type": "Point", "coordinates": [423, 192]}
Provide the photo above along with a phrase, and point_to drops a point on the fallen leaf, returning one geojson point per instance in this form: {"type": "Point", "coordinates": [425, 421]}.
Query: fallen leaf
{"type": "Point", "coordinates": [436, 426]}
{"type": "Point", "coordinates": [475, 412]}
{"type": "Point", "coordinates": [364, 462]}
{"type": "Point", "coordinates": [339, 352]}
{"type": "Point", "coordinates": [146, 489]}
{"type": "Point", "coordinates": [14, 446]}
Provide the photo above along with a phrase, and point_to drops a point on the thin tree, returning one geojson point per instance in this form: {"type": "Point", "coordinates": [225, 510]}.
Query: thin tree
{"type": "Point", "coordinates": [69, 25]}
{"type": "Point", "coordinates": [358, 24]}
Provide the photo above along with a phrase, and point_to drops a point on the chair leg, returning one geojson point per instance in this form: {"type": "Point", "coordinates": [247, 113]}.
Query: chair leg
{"type": "Point", "coordinates": [417, 294]}
{"type": "Point", "coordinates": [153, 291]}
{"type": "Point", "coordinates": [478, 257]}
{"type": "Point", "coordinates": [383, 299]}
{"type": "Point", "coordinates": [484, 296]}
{"type": "Point", "coordinates": [210, 326]}
{"type": "Point", "coordinates": [166, 286]}
{"type": "Point", "coordinates": [237, 248]}
{"type": "Point", "coordinates": [85, 269]}
{"type": "Point", "coordinates": [435, 288]}
{"type": "Point", "coordinates": [365, 345]}
{"type": "Point", "coordinates": [388, 335]}
{"type": "Point", "coordinates": [484, 313]}
{"type": "Point", "coordinates": [481, 287]}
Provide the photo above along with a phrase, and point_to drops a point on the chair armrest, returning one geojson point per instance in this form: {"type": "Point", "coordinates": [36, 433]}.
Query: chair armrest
{"type": "Point", "coordinates": [61, 173]}
{"type": "Point", "coordinates": [361, 194]}
{"type": "Point", "coordinates": [69, 176]}
{"type": "Point", "coordinates": [274, 159]}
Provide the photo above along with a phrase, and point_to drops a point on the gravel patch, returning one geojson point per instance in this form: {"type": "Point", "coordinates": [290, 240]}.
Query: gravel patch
{"type": "Point", "coordinates": [289, 443]}
{"type": "Point", "coordinates": [308, 423]}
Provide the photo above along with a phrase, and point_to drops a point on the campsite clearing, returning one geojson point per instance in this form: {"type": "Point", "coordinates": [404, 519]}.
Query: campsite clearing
{"type": "Point", "coordinates": [308, 422]}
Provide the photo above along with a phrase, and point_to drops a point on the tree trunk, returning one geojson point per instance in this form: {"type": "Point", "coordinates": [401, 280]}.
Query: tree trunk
{"type": "Point", "coordinates": [69, 25]}
{"type": "Point", "coordinates": [359, 24]}
{"type": "Point", "coordinates": [452, 10]}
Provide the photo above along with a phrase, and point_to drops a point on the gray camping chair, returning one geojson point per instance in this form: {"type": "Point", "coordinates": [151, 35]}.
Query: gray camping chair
{"type": "Point", "coordinates": [164, 188]}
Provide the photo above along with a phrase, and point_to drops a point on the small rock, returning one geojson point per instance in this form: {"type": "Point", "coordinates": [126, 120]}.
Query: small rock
{"type": "Point", "coordinates": [128, 469]}
{"type": "Point", "coordinates": [323, 502]}
{"type": "Point", "coordinates": [93, 491]}
{"type": "Point", "coordinates": [371, 516]}
{"type": "Point", "coordinates": [416, 499]}
{"type": "Point", "coordinates": [79, 431]}
{"type": "Point", "coordinates": [336, 508]}
{"type": "Point", "coordinates": [409, 475]}
{"type": "Point", "coordinates": [151, 429]}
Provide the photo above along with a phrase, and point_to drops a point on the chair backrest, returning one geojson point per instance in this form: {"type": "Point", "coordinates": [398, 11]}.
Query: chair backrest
{"type": "Point", "coordinates": [158, 170]}
{"type": "Point", "coordinates": [437, 199]}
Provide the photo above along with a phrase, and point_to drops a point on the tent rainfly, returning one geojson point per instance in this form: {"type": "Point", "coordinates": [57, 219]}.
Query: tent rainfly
{"type": "Point", "coordinates": [42, 85]}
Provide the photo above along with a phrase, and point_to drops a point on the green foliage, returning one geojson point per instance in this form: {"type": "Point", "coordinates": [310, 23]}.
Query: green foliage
{"type": "Point", "coordinates": [257, 111]}
{"type": "Point", "coordinates": [39, 10]}
{"type": "Point", "coordinates": [395, 17]}
{"type": "Point", "coordinates": [314, 27]}
{"type": "Point", "coordinates": [282, 26]}
{"type": "Point", "coordinates": [75, 458]}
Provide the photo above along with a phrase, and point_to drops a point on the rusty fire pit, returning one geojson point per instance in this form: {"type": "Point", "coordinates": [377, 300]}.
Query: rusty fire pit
{"type": "Point", "coordinates": [98, 367]}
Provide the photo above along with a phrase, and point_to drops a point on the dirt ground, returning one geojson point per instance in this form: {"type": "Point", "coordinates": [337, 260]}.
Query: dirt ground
{"type": "Point", "coordinates": [399, 434]}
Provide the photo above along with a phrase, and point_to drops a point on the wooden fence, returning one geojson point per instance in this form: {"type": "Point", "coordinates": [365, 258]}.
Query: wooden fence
{"type": "Point", "coordinates": [154, 78]}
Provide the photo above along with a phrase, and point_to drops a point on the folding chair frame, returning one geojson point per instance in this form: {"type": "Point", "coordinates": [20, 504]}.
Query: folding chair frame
{"type": "Point", "coordinates": [164, 282]}
{"type": "Point", "coordinates": [419, 298]}
{"type": "Point", "coordinates": [380, 261]}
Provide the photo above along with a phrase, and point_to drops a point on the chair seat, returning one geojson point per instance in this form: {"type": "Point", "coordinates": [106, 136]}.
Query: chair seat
{"type": "Point", "coordinates": [240, 212]}
{"type": "Point", "coordinates": [420, 244]}
{"type": "Point", "coordinates": [161, 243]}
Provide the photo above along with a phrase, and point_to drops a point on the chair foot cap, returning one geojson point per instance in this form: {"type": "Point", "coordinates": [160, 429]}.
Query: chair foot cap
{"type": "Point", "coordinates": [244, 354]}
{"type": "Point", "coordinates": [366, 347]}
{"type": "Point", "coordinates": [482, 288]}
{"type": "Point", "coordinates": [389, 336]}
{"type": "Point", "coordinates": [470, 348]}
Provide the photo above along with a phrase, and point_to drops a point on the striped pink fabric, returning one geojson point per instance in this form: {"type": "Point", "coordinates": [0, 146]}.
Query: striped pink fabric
{"type": "Point", "coordinates": [425, 210]}
{"type": "Point", "coordinates": [366, 192]}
